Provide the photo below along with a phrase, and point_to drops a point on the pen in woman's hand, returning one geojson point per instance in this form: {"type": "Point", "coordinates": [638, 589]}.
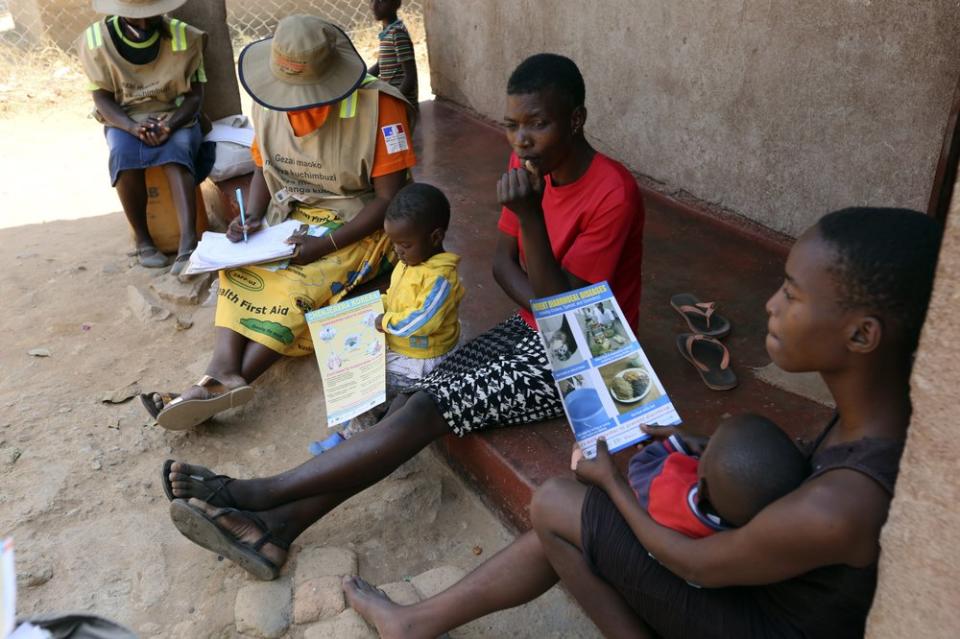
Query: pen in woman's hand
{"type": "Point", "coordinates": [243, 217]}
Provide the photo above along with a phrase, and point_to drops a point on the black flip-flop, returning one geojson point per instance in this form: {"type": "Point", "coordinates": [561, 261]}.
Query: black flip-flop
{"type": "Point", "coordinates": [701, 317]}
{"type": "Point", "coordinates": [710, 358]}
{"type": "Point", "coordinates": [217, 495]}
{"type": "Point", "coordinates": [202, 529]}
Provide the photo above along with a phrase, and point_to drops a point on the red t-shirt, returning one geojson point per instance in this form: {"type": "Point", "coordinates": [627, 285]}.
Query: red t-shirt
{"type": "Point", "coordinates": [595, 227]}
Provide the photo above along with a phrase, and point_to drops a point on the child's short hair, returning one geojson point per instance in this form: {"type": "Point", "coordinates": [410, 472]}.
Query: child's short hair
{"type": "Point", "coordinates": [885, 262]}
{"type": "Point", "coordinates": [752, 463]}
{"type": "Point", "coordinates": [548, 71]}
{"type": "Point", "coordinates": [423, 204]}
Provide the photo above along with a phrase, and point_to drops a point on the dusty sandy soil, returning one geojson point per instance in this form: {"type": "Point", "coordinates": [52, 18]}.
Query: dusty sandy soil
{"type": "Point", "coordinates": [79, 478]}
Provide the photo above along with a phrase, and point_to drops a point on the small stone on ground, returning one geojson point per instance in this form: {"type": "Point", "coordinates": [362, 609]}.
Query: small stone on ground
{"type": "Point", "coordinates": [318, 598]}
{"type": "Point", "coordinates": [168, 287]}
{"type": "Point", "coordinates": [325, 561]}
{"type": "Point", "coordinates": [264, 609]}
{"type": "Point", "coordinates": [143, 307]}
{"type": "Point", "coordinates": [347, 625]}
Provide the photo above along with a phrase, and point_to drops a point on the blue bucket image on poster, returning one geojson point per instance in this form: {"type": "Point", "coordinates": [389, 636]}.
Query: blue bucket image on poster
{"type": "Point", "coordinates": [585, 409]}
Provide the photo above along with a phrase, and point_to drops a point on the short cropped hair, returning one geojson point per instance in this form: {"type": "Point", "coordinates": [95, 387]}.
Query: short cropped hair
{"type": "Point", "coordinates": [548, 71]}
{"type": "Point", "coordinates": [885, 261]}
{"type": "Point", "coordinates": [758, 464]}
{"type": "Point", "coordinates": [423, 204]}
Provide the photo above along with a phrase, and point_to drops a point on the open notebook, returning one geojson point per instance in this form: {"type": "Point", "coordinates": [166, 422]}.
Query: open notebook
{"type": "Point", "coordinates": [215, 251]}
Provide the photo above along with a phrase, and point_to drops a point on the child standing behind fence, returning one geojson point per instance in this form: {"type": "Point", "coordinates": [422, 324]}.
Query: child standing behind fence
{"type": "Point", "coordinates": [396, 63]}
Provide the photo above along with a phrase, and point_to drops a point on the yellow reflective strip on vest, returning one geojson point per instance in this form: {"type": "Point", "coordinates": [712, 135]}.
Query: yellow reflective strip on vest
{"type": "Point", "coordinates": [348, 106]}
{"type": "Point", "coordinates": [97, 35]}
{"type": "Point", "coordinates": [183, 36]}
{"type": "Point", "coordinates": [89, 33]}
{"type": "Point", "coordinates": [368, 79]}
{"type": "Point", "coordinates": [201, 72]}
{"type": "Point", "coordinates": [174, 37]}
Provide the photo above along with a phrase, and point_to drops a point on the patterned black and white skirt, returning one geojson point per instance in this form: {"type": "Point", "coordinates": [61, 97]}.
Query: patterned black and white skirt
{"type": "Point", "coordinates": [501, 378]}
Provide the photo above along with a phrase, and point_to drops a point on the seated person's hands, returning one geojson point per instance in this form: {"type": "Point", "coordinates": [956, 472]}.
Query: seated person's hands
{"type": "Point", "coordinates": [695, 443]}
{"type": "Point", "coordinates": [235, 229]}
{"type": "Point", "coordinates": [521, 190]}
{"type": "Point", "coordinates": [598, 471]}
{"type": "Point", "coordinates": [310, 248]}
{"type": "Point", "coordinates": [155, 131]}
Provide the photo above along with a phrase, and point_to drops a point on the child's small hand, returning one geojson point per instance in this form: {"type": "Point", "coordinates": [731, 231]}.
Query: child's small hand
{"type": "Point", "coordinates": [598, 471]}
{"type": "Point", "coordinates": [378, 323]}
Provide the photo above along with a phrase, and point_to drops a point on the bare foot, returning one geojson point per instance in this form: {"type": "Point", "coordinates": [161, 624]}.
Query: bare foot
{"type": "Point", "coordinates": [243, 529]}
{"type": "Point", "coordinates": [371, 603]}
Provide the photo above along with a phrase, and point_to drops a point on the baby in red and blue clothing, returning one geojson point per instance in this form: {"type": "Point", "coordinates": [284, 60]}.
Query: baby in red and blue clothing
{"type": "Point", "coordinates": [747, 464]}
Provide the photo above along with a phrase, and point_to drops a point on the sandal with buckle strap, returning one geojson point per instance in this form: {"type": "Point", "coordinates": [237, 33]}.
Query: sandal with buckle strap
{"type": "Point", "coordinates": [180, 413]}
{"type": "Point", "coordinates": [710, 358]}
{"type": "Point", "coordinates": [701, 317]}
{"type": "Point", "coordinates": [202, 529]}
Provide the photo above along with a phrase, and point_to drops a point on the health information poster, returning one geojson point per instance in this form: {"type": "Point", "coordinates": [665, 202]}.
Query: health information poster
{"type": "Point", "coordinates": [350, 353]}
{"type": "Point", "coordinates": [607, 383]}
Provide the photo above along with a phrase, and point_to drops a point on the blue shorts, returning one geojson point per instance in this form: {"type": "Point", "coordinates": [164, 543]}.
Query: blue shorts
{"type": "Point", "coordinates": [185, 147]}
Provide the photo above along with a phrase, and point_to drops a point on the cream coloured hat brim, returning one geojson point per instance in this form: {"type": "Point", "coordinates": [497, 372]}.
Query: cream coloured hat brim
{"type": "Point", "coordinates": [147, 10]}
{"type": "Point", "coordinates": [266, 89]}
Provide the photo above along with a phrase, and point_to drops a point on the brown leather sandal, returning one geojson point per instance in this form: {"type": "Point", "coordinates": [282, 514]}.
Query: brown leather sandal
{"type": "Point", "coordinates": [701, 317]}
{"type": "Point", "coordinates": [181, 413]}
{"type": "Point", "coordinates": [711, 359]}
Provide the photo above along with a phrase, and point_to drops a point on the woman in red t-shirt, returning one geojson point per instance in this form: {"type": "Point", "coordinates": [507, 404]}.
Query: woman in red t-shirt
{"type": "Point", "coordinates": [571, 217]}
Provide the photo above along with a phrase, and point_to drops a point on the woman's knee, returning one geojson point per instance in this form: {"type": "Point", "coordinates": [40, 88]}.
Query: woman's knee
{"type": "Point", "coordinates": [555, 506]}
{"type": "Point", "coordinates": [419, 408]}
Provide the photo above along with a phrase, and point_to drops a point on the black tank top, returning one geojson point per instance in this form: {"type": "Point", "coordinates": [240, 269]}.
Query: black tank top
{"type": "Point", "coordinates": [832, 602]}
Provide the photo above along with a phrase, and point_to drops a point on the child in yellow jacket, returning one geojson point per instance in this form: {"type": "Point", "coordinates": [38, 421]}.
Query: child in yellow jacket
{"type": "Point", "coordinates": [420, 319]}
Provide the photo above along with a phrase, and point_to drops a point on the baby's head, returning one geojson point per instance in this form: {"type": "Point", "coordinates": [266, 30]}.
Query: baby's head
{"type": "Point", "coordinates": [416, 222]}
{"type": "Point", "coordinates": [748, 464]}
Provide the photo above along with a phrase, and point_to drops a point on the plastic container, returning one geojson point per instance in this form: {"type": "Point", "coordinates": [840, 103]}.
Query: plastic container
{"type": "Point", "coordinates": [585, 409]}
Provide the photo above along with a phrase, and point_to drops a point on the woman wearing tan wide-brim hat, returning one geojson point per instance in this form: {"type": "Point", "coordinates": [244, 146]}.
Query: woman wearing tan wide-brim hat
{"type": "Point", "coordinates": [146, 74]}
{"type": "Point", "coordinates": [332, 150]}
{"type": "Point", "coordinates": [136, 8]}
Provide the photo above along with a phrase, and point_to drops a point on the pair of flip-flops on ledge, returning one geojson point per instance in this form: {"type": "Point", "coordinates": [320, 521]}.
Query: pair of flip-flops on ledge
{"type": "Point", "coordinates": [702, 347]}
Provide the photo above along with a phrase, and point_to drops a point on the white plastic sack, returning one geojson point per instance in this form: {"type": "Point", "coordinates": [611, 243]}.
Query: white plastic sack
{"type": "Point", "coordinates": [233, 136]}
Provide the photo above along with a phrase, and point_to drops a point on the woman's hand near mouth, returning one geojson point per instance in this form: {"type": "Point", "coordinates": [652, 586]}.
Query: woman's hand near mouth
{"type": "Point", "coordinates": [521, 190]}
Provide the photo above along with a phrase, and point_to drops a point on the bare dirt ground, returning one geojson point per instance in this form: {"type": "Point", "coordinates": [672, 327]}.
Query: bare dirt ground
{"type": "Point", "coordinates": [80, 479]}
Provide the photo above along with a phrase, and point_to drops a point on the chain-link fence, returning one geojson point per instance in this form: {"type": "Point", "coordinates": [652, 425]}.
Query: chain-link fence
{"type": "Point", "coordinates": [29, 27]}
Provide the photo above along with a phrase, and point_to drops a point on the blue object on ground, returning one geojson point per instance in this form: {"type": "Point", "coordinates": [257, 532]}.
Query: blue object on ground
{"type": "Point", "coordinates": [317, 448]}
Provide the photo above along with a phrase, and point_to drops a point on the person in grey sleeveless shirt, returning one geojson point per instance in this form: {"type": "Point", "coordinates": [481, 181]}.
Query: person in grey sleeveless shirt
{"type": "Point", "coordinates": [854, 297]}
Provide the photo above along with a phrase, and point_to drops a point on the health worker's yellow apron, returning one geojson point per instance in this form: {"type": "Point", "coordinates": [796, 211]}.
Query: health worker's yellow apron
{"type": "Point", "coordinates": [268, 307]}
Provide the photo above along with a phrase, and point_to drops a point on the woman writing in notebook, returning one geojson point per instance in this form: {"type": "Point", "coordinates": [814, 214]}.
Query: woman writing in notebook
{"type": "Point", "coordinates": [331, 151]}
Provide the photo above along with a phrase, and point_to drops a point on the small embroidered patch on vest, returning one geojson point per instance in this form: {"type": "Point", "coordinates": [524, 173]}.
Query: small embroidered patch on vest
{"type": "Point", "coordinates": [419, 341]}
{"type": "Point", "coordinates": [395, 137]}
